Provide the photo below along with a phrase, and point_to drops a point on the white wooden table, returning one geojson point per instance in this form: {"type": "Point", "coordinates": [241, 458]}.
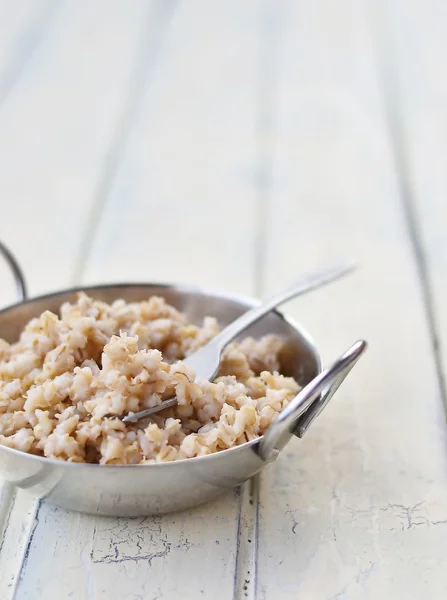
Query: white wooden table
{"type": "Point", "coordinates": [238, 144]}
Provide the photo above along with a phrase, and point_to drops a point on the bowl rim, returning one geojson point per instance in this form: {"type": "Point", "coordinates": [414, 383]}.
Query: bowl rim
{"type": "Point", "coordinates": [243, 299]}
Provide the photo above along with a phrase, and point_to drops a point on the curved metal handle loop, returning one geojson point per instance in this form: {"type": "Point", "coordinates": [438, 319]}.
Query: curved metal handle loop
{"type": "Point", "coordinates": [297, 417]}
{"type": "Point", "coordinates": [19, 277]}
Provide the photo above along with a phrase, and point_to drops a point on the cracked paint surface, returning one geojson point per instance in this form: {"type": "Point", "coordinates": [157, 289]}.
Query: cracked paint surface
{"type": "Point", "coordinates": [139, 539]}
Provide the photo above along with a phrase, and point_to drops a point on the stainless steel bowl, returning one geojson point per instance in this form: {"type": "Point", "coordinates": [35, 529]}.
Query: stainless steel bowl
{"type": "Point", "coordinates": [133, 490]}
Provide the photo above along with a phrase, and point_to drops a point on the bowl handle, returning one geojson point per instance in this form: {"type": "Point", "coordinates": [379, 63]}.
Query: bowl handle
{"type": "Point", "coordinates": [19, 277]}
{"type": "Point", "coordinates": [297, 417]}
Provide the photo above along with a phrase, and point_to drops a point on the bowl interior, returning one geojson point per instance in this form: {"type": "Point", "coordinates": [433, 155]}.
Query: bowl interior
{"type": "Point", "coordinates": [299, 358]}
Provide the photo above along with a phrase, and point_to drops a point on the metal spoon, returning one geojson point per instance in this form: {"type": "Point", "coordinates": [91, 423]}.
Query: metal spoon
{"type": "Point", "coordinates": [205, 361]}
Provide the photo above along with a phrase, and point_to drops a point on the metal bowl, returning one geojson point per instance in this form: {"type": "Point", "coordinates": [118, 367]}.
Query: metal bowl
{"type": "Point", "coordinates": [133, 490]}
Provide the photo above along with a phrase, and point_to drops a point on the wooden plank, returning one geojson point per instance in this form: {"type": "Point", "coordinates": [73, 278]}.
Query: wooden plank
{"type": "Point", "coordinates": [57, 123]}
{"type": "Point", "coordinates": [416, 101]}
{"type": "Point", "coordinates": [181, 207]}
{"type": "Point", "coordinates": [138, 558]}
{"type": "Point", "coordinates": [56, 128]}
{"type": "Point", "coordinates": [358, 508]}
{"type": "Point", "coordinates": [22, 25]}
{"type": "Point", "coordinates": [19, 520]}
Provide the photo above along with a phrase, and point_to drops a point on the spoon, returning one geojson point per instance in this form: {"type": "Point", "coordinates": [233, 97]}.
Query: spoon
{"type": "Point", "coordinates": [206, 360]}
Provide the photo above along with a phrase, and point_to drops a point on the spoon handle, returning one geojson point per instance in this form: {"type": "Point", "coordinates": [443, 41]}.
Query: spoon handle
{"type": "Point", "coordinates": [308, 282]}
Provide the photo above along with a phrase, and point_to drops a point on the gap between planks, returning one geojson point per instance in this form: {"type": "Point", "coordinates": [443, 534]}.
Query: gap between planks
{"type": "Point", "coordinates": [245, 576]}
